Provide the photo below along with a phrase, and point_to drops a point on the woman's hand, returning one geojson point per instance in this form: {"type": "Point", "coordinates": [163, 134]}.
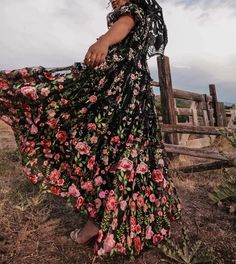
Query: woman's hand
{"type": "Point", "coordinates": [97, 53]}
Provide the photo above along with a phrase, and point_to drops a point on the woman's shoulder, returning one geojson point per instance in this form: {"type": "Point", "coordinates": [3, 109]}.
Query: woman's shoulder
{"type": "Point", "coordinates": [127, 9]}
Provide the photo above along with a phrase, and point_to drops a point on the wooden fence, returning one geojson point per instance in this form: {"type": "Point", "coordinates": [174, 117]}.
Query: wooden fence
{"type": "Point", "coordinates": [205, 116]}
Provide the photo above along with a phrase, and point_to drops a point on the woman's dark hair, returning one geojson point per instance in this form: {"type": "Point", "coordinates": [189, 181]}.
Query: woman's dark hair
{"type": "Point", "coordinates": [157, 28]}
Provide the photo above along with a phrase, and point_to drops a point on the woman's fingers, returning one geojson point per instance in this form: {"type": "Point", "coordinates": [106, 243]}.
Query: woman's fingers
{"type": "Point", "coordinates": [98, 60]}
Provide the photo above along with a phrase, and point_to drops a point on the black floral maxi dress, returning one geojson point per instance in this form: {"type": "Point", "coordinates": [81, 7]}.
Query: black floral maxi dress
{"type": "Point", "coordinates": [92, 136]}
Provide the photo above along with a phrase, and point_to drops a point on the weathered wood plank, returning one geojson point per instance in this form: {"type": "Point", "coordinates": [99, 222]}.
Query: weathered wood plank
{"type": "Point", "coordinates": [205, 130]}
{"type": "Point", "coordinates": [155, 83]}
{"type": "Point", "coordinates": [167, 97]}
{"type": "Point", "coordinates": [207, 166]}
{"type": "Point", "coordinates": [202, 153]}
{"type": "Point", "coordinates": [188, 95]}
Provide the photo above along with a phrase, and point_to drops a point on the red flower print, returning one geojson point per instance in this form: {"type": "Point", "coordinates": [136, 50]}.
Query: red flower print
{"type": "Point", "coordinates": [123, 205]}
{"type": "Point", "coordinates": [91, 162]}
{"type": "Point", "coordinates": [61, 79]}
{"type": "Point", "coordinates": [125, 164]}
{"type": "Point", "coordinates": [53, 123]}
{"type": "Point", "coordinates": [91, 126]}
{"type": "Point", "coordinates": [138, 229]}
{"type": "Point", "coordinates": [23, 72]}
{"type": "Point", "coordinates": [48, 75]}
{"type": "Point", "coordinates": [140, 201]}
{"type": "Point", "coordinates": [109, 243]}
{"type": "Point", "coordinates": [53, 104]}
{"type": "Point", "coordinates": [79, 202]}
{"type": "Point", "coordinates": [115, 139]}
{"type": "Point", "coordinates": [33, 179]}
{"type": "Point", "coordinates": [164, 200]}
{"type": "Point", "coordinates": [94, 139]}
{"type": "Point", "coordinates": [78, 170]}
{"type": "Point", "coordinates": [111, 203]}
{"type": "Point", "coordinates": [120, 248]}
{"type": "Point", "coordinates": [60, 182]}
{"type": "Point", "coordinates": [157, 175]}
{"type": "Point", "coordinates": [100, 235]}
{"type": "Point", "coordinates": [98, 181]}
{"type": "Point", "coordinates": [55, 190]}
{"type": "Point", "coordinates": [6, 119]}
{"type": "Point", "coordinates": [4, 84]}
{"type": "Point", "coordinates": [149, 232]}
{"type": "Point", "coordinates": [152, 198]}
{"type": "Point", "coordinates": [132, 223]}
{"type": "Point", "coordinates": [129, 241]}
{"type": "Point", "coordinates": [83, 110]}
{"type": "Point", "coordinates": [142, 168]}
{"type": "Point", "coordinates": [54, 175]}
{"type": "Point", "coordinates": [92, 210]}
{"type": "Point", "coordinates": [45, 91]}
{"type": "Point", "coordinates": [87, 186]}
{"type": "Point", "coordinates": [83, 148]}
{"type": "Point", "coordinates": [137, 244]}
{"type": "Point", "coordinates": [93, 98]}
{"type": "Point", "coordinates": [30, 92]}
{"type": "Point", "coordinates": [73, 190]}
{"type": "Point", "coordinates": [64, 101]}
{"type": "Point", "coordinates": [46, 143]}
{"type": "Point", "coordinates": [61, 136]}
{"type": "Point", "coordinates": [33, 130]}
{"type": "Point", "coordinates": [157, 238]}
{"type": "Point", "coordinates": [98, 203]}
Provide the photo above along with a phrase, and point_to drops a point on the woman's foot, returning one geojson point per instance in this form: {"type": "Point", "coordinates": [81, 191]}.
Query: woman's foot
{"type": "Point", "coordinates": [85, 234]}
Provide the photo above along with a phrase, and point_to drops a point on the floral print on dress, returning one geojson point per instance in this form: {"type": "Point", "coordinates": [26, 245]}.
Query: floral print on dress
{"type": "Point", "coordinates": [92, 136]}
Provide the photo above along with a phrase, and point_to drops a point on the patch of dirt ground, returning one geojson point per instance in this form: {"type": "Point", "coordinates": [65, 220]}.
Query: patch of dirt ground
{"type": "Point", "coordinates": [35, 228]}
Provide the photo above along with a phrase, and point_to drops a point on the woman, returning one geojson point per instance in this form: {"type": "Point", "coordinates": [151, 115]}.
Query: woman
{"type": "Point", "coordinates": [92, 134]}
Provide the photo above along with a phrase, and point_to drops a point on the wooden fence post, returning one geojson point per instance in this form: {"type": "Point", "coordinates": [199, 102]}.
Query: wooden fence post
{"type": "Point", "coordinates": [167, 97]}
{"type": "Point", "coordinates": [215, 105]}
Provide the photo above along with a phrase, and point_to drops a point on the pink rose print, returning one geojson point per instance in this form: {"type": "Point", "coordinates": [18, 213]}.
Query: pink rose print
{"type": "Point", "coordinates": [123, 205]}
{"type": "Point", "coordinates": [98, 181]}
{"type": "Point", "coordinates": [61, 136]}
{"type": "Point", "coordinates": [73, 190]}
{"type": "Point", "coordinates": [91, 126]}
{"type": "Point", "coordinates": [30, 92]}
{"type": "Point", "coordinates": [45, 91]}
{"type": "Point", "coordinates": [91, 162]}
{"type": "Point", "coordinates": [140, 201]}
{"type": "Point", "coordinates": [111, 203]}
{"type": "Point", "coordinates": [83, 110]}
{"type": "Point", "coordinates": [4, 84]}
{"type": "Point", "coordinates": [79, 202]}
{"type": "Point", "coordinates": [142, 168]}
{"type": "Point", "coordinates": [157, 238]}
{"type": "Point", "coordinates": [93, 98]}
{"type": "Point", "coordinates": [157, 175]}
{"type": "Point", "coordinates": [137, 244]}
{"type": "Point", "coordinates": [33, 130]}
{"type": "Point", "coordinates": [125, 164]}
{"type": "Point", "coordinates": [54, 175]}
{"type": "Point", "coordinates": [109, 243]}
{"type": "Point", "coordinates": [83, 148]}
{"type": "Point", "coordinates": [149, 232]}
{"type": "Point", "coordinates": [6, 119]}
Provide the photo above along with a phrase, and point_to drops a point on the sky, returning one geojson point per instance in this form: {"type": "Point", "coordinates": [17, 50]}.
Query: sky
{"type": "Point", "coordinates": [51, 33]}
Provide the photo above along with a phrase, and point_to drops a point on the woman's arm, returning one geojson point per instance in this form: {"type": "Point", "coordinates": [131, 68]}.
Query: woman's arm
{"type": "Point", "coordinates": [97, 53]}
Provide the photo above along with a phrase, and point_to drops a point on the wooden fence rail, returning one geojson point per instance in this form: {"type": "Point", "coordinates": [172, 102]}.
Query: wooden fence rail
{"type": "Point", "coordinates": [206, 118]}
{"type": "Point", "coordinates": [204, 110]}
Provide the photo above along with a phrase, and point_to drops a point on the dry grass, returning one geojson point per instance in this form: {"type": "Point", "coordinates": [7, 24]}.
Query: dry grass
{"type": "Point", "coordinates": [35, 228]}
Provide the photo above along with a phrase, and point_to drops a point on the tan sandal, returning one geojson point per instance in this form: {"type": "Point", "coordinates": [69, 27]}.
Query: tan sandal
{"type": "Point", "coordinates": [74, 236]}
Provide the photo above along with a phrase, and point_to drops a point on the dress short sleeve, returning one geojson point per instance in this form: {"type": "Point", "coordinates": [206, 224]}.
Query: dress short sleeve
{"type": "Point", "coordinates": [128, 9]}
